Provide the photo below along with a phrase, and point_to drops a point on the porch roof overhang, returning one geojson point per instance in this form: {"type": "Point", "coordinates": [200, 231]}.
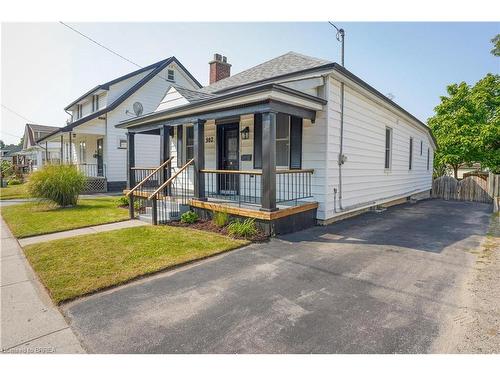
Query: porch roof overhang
{"type": "Point", "coordinates": [265, 98]}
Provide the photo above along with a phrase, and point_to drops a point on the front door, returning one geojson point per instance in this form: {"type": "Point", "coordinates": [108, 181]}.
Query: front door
{"type": "Point", "coordinates": [99, 154]}
{"type": "Point", "coordinates": [228, 142]}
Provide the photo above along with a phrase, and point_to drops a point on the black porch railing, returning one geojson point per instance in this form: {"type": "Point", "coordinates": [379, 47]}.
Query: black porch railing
{"type": "Point", "coordinates": [293, 184]}
{"type": "Point", "coordinates": [245, 187]}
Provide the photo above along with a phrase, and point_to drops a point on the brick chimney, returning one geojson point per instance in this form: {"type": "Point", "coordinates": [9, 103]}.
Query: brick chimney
{"type": "Point", "coordinates": [219, 68]}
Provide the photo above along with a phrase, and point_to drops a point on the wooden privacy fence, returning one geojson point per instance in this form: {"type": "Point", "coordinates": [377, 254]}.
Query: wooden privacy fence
{"type": "Point", "coordinates": [473, 188]}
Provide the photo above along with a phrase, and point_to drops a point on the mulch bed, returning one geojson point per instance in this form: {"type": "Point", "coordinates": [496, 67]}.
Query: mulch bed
{"type": "Point", "coordinates": [209, 226]}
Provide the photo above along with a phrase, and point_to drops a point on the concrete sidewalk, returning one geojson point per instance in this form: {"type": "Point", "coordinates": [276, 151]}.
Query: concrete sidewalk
{"type": "Point", "coordinates": [30, 323]}
{"type": "Point", "coordinates": [81, 231]}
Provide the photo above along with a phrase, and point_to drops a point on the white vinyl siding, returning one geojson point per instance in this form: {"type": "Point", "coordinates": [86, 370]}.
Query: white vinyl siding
{"type": "Point", "coordinates": [147, 147]}
{"type": "Point", "coordinates": [365, 179]}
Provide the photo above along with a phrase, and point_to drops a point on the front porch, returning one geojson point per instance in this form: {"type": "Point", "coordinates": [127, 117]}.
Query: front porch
{"type": "Point", "coordinates": [83, 150]}
{"type": "Point", "coordinates": [246, 161]}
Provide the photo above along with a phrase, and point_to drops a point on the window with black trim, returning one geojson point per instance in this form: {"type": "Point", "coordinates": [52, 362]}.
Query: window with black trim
{"type": "Point", "coordinates": [170, 74]}
{"type": "Point", "coordinates": [122, 143]}
{"type": "Point", "coordinates": [410, 159]}
{"type": "Point", "coordinates": [288, 141]}
{"type": "Point", "coordinates": [388, 147]}
{"type": "Point", "coordinates": [282, 140]}
{"type": "Point", "coordinates": [428, 157]}
{"type": "Point", "coordinates": [189, 142]}
{"type": "Point", "coordinates": [421, 147]}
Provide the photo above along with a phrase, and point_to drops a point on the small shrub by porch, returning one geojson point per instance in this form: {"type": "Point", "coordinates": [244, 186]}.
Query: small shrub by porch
{"type": "Point", "coordinates": [76, 266]}
{"type": "Point", "coordinates": [33, 218]}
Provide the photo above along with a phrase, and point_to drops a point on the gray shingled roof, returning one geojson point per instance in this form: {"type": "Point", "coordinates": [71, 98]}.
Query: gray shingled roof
{"type": "Point", "coordinates": [42, 128]}
{"type": "Point", "coordinates": [290, 62]}
{"type": "Point", "coordinates": [192, 95]}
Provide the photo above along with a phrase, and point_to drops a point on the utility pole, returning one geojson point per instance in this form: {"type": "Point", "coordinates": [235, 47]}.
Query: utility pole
{"type": "Point", "coordinates": [341, 158]}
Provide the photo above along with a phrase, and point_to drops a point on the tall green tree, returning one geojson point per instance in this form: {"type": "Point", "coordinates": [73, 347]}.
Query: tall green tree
{"type": "Point", "coordinates": [496, 45]}
{"type": "Point", "coordinates": [466, 125]}
{"type": "Point", "coordinates": [2, 144]}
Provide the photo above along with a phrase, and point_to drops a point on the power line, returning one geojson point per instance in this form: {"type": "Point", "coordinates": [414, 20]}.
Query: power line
{"type": "Point", "coordinates": [17, 114]}
{"type": "Point", "coordinates": [117, 54]}
{"type": "Point", "coordinates": [99, 44]}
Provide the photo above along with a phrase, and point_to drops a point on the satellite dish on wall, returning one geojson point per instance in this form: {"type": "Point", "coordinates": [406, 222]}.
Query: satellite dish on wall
{"type": "Point", "coordinates": [137, 106]}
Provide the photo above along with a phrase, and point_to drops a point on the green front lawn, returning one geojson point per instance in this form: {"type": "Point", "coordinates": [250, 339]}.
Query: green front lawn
{"type": "Point", "coordinates": [76, 266]}
{"type": "Point", "coordinates": [13, 192]}
{"type": "Point", "coordinates": [33, 218]}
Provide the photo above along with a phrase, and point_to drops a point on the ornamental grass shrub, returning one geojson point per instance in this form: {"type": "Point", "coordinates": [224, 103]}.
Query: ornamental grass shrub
{"type": "Point", "coordinates": [61, 184]}
{"type": "Point", "coordinates": [245, 228]}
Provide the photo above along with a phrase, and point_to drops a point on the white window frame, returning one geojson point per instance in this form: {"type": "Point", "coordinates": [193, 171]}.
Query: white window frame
{"type": "Point", "coordinates": [170, 72]}
{"type": "Point", "coordinates": [388, 168]}
{"type": "Point", "coordinates": [287, 140]}
{"type": "Point", "coordinates": [82, 151]}
{"type": "Point", "coordinates": [185, 144]}
{"type": "Point", "coordinates": [122, 144]}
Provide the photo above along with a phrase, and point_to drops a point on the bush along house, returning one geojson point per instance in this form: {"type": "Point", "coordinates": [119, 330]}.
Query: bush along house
{"type": "Point", "coordinates": [90, 140]}
{"type": "Point", "coordinates": [280, 142]}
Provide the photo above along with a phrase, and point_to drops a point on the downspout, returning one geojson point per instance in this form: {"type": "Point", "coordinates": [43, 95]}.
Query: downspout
{"type": "Point", "coordinates": [341, 144]}
{"type": "Point", "coordinates": [341, 158]}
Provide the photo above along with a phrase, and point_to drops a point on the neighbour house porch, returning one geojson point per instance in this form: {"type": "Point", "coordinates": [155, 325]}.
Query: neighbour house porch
{"type": "Point", "coordinates": [245, 159]}
{"type": "Point", "coordinates": [84, 150]}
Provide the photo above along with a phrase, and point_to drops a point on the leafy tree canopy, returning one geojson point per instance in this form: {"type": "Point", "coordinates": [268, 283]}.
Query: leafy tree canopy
{"type": "Point", "coordinates": [466, 125]}
{"type": "Point", "coordinates": [496, 45]}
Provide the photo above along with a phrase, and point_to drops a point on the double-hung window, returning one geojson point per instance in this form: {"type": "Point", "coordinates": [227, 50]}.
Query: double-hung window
{"type": "Point", "coordinates": [388, 147]}
{"type": "Point", "coordinates": [288, 141]}
{"type": "Point", "coordinates": [79, 108]}
{"type": "Point", "coordinates": [189, 142]}
{"type": "Point", "coordinates": [95, 103]}
{"type": "Point", "coordinates": [282, 140]}
{"type": "Point", "coordinates": [170, 74]}
{"type": "Point", "coordinates": [83, 152]}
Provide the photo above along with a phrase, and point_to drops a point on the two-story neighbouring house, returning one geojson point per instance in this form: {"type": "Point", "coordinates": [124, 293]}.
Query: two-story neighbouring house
{"type": "Point", "coordinates": [34, 154]}
{"type": "Point", "coordinates": [91, 141]}
{"type": "Point", "coordinates": [290, 142]}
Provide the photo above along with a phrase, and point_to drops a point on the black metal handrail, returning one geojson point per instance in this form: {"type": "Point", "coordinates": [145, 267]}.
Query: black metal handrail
{"type": "Point", "coordinates": [149, 178]}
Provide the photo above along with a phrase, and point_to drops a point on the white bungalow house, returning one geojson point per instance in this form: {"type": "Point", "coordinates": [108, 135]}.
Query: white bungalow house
{"type": "Point", "coordinates": [34, 154]}
{"type": "Point", "coordinates": [90, 139]}
{"type": "Point", "coordinates": [291, 142]}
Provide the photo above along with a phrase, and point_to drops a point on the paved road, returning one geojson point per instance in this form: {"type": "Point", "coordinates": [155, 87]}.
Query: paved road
{"type": "Point", "coordinates": [377, 283]}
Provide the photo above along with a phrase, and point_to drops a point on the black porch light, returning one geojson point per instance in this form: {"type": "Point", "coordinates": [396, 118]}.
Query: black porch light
{"type": "Point", "coordinates": [245, 133]}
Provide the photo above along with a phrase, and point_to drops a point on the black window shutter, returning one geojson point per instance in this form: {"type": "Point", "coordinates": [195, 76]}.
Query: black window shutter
{"type": "Point", "coordinates": [179, 146]}
{"type": "Point", "coordinates": [257, 141]}
{"type": "Point", "coordinates": [295, 143]}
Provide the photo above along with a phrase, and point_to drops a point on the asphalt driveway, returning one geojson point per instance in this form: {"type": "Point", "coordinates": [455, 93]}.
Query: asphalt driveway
{"type": "Point", "coordinates": [378, 283]}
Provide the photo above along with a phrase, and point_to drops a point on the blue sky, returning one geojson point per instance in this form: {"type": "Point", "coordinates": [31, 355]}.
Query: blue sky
{"type": "Point", "coordinates": [45, 65]}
